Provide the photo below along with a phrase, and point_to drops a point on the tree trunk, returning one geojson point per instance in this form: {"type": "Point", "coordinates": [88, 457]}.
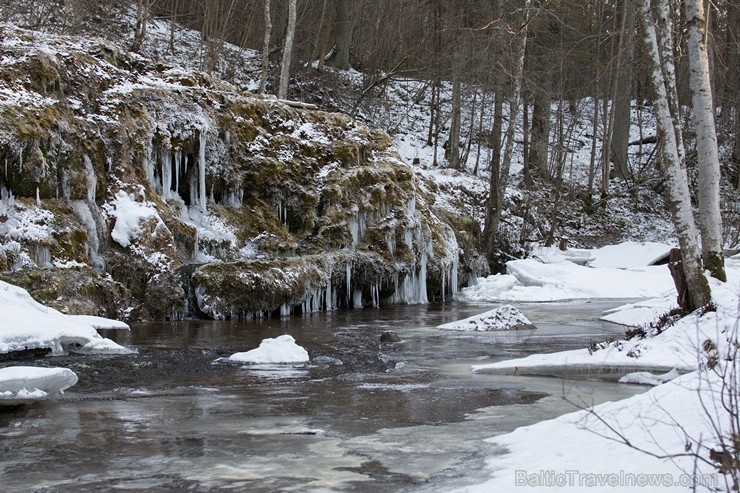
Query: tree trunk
{"type": "Point", "coordinates": [266, 48]}
{"type": "Point", "coordinates": [343, 35]}
{"type": "Point", "coordinates": [453, 144]}
{"type": "Point", "coordinates": [676, 180]}
{"type": "Point", "coordinates": [540, 134]}
{"type": "Point", "coordinates": [710, 219]}
{"type": "Point", "coordinates": [142, 15]}
{"type": "Point", "coordinates": [173, 25]}
{"type": "Point", "coordinates": [499, 178]}
{"type": "Point", "coordinates": [287, 51]}
{"type": "Point", "coordinates": [623, 93]}
{"type": "Point", "coordinates": [318, 49]}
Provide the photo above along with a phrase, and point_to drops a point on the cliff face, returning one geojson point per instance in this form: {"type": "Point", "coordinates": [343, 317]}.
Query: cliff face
{"type": "Point", "coordinates": [135, 190]}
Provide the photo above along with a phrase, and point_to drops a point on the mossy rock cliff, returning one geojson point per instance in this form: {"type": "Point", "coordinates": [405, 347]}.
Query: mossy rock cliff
{"type": "Point", "coordinates": [175, 194]}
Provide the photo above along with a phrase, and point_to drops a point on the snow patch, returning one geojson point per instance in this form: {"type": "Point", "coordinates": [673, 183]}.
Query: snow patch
{"type": "Point", "coordinates": [282, 349]}
{"type": "Point", "coordinates": [505, 317]}
{"type": "Point", "coordinates": [26, 384]}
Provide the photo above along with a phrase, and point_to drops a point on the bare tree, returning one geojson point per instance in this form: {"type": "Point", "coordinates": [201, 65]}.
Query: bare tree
{"type": "Point", "coordinates": [343, 35]}
{"type": "Point", "coordinates": [266, 48]}
{"type": "Point", "coordinates": [142, 16]}
{"type": "Point", "coordinates": [623, 92]}
{"type": "Point", "coordinates": [679, 201]}
{"type": "Point", "coordinates": [287, 51]}
{"type": "Point", "coordinates": [710, 220]}
{"type": "Point", "coordinates": [499, 177]}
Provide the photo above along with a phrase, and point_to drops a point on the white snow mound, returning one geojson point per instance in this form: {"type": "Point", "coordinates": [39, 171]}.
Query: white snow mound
{"type": "Point", "coordinates": [282, 349]}
{"type": "Point", "coordinates": [28, 324]}
{"type": "Point", "coordinates": [505, 317]}
{"type": "Point", "coordinates": [26, 384]}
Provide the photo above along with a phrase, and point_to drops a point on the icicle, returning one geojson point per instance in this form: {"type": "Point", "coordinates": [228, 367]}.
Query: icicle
{"type": "Point", "coordinates": [165, 156]}
{"type": "Point", "coordinates": [285, 310]}
{"type": "Point", "coordinates": [92, 180]}
{"type": "Point", "coordinates": [109, 163]}
{"type": "Point", "coordinates": [41, 255]}
{"type": "Point", "coordinates": [330, 305]}
{"type": "Point", "coordinates": [390, 241]}
{"type": "Point", "coordinates": [149, 164]}
{"type": "Point", "coordinates": [349, 280]}
{"type": "Point", "coordinates": [423, 278]}
{"type": "Point", "coordinates": [202, 171]}
{"type": "Point", "coordinates": [443, 271]}
{"type": "Point", "coordinates": [38, 197]}
{"type": "Point", "coordinates": [178, 159]}
{"type": "Point", "coordinates": [411, 207]}
{"type": "Point", "coordinates": [357, 298]}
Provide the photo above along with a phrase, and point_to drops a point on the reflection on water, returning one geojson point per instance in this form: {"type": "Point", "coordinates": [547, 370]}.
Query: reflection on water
{"type": "Point", "coordinates": [361, 416]}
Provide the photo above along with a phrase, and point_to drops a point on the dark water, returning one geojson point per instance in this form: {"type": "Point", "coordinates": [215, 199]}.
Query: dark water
{"type": "Point", "coordinates": [362, 416]}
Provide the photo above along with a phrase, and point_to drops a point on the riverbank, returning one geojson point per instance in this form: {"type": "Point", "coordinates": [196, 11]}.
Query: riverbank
{"type": "Point", "coordinates": [662, 439]}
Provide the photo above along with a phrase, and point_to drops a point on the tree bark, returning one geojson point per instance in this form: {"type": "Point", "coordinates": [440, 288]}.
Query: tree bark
{"type": "Point", "coordinates": [142, 15]}
{"type": "Point", "coordinates": [623, 93]}
{"type": "Point", "coordinates": [676, 180]}
{"type": "Point", "coordinates": [540, 133]}
{"type": "Point", "coordinates": [710, 218]}
{"type": "Point", "coordinates": [266, 48]}
{"type": "Point", "coordinates": [453, 144]}
{"type": "Point", "coordinates": [343, 35]}
{"type": "Point", "coordinates": [287, 51]}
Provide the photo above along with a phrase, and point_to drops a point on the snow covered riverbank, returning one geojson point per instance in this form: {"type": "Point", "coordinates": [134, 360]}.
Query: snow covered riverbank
{"type": "Point", "coordinates": [670, 429]}
{"type": "Point", "coordinates": [28, 325]}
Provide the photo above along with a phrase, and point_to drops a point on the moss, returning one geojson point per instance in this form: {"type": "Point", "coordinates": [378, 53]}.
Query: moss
{"type": "Point", "coordinates": [77, 291]}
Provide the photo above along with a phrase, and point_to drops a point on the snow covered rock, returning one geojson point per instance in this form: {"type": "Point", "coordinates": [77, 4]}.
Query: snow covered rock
{"type": "Point", "coordinates": [505, 317]}
{"type": "Point", "coordinates": [28, 324]}
{"type": "Point", "coordinates": [26, 384]}
{"type": "Point", "coordinates": [282, 349]}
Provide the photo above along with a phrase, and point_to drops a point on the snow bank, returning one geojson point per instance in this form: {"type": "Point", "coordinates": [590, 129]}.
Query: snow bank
{"type": "Point", "coordinates": [282, 349]}
{"type": "Point", "coordinates": [647, 378]}
{"type": "Point", "coordinates": [580, 452]}
{"type": "Point", "coordinates": [531, 280]}
{"type": "Point", "coordinates": [629, 254]}
{"type": "Point", "coordinates": [585, 451]}
{"type": "Point", "coordinates": [505, 317]}
{"type": "Point", "coordinates": [618, 271]}
{"type": "Point", "coordinates": [676, 347]}
{"type": "Point", "coordinates": [28, 324]}
{"type": "Point", "coordinates": [26, 384]}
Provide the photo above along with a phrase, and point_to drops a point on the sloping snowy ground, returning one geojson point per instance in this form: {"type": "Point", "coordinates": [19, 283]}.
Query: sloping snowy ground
{"type": "Point", "coordinates": [666, 426]}
{"type": "Point", "coordinates": [582, 451]}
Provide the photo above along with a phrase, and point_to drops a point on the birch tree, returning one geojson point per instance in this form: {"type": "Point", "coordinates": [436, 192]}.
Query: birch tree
{"type": "Point", "coordinates": [660, 73]}
{"type": "Point", "coordinates": [710, 220]}
{"type": "Point", "coordinates": [287, 51]}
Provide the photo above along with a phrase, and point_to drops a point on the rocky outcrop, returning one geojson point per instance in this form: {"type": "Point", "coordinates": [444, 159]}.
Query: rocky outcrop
{"type": "Point", "coordinates": [144, 191]}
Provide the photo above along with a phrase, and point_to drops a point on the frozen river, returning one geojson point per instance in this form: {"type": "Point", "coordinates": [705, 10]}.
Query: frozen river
{"type": "Point", "coordinates": [362, 416]}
